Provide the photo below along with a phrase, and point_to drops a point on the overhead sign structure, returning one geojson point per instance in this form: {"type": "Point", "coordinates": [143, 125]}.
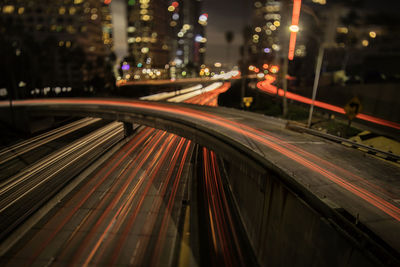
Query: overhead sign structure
{"type": "Point", "coordinates": [352, 108]}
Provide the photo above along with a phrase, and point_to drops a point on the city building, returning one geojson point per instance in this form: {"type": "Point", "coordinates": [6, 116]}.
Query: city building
{"type": "Point", "coordinates": [148, 39]}
{"type": "Point", "coordinates": [188, 25]}
{"type": "Point", "coordinates": [263, 38]}
{"type": "Point", "coordinates": [166, 39]}
{"type": "Point", "coordinates": [62, 44]}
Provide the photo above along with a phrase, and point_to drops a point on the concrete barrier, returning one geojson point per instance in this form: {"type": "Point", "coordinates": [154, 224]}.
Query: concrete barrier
{"type": "Point", "coordinates": [283, 229]}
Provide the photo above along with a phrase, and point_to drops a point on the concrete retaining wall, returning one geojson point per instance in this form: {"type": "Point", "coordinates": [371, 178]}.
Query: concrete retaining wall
{"type": "Point", "coordinates": [283, 229]}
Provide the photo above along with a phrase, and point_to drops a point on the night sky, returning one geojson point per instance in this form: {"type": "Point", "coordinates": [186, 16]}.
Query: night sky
{"type": "Point", "coordinates": [225, 15]}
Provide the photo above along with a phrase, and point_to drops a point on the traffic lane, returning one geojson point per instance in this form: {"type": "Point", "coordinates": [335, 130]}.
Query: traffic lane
{"type": "Point", "coordinates": [22, 161]}
{"type": "Point", "coordinates": [80, 202]}
{"type": "Point", "coordinates": [335, 157]}
{"type": "Point", "coordinates": [206, 120]}
{"type": "Point", "coordinates": [69, 240]}
{"type": "Point", "coordinates": [230, 130]}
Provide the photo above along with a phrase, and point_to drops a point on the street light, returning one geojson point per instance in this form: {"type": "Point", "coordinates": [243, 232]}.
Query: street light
{"type": "Point", "coordinates": [316, 80]}
{"type": "Point", "coordinates": [294, 28]}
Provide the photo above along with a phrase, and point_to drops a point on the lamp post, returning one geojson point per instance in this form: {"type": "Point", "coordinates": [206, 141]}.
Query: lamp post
{"type": "Point", "coordinates": [316, 81]}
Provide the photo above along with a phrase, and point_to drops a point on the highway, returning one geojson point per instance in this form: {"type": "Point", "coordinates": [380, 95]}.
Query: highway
{"type": "Point", "coordinates": [359, 187]}
{"type": "Point", "coordinates": [132, 208]}
{"type": "Point", "coordinates": [27, 152]}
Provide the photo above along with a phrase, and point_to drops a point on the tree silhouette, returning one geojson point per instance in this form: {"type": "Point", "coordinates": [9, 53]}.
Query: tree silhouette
{"type": "Point", "coordinates": [229, 36]}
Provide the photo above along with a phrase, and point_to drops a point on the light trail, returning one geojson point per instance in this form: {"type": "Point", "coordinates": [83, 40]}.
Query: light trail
{"type": "Point", "coordinates": [148, 229]}
{"type": "Point", "coordinates": [37, 141]}
{"type": "Point", "coordinates": [109, 168]}
{"type": "Point", "coordinates": [171, 201]}
{"type": "Point", "coordinates": [267, 87]}
{"type": "Point", "coordinates": [219, 215]}
{"type": "Point", "coordinates": [146, 152]}
{"type": "Point", "coordinates": [94, 244]}
{"type": "Point", "coordinates": [382, 204]}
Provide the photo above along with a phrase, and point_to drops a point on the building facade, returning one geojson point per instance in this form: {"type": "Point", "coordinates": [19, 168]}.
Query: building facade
{"type": "Point", "coordinates": [165, 39]}
{"type": "Point", "coordinates": [55, 43]}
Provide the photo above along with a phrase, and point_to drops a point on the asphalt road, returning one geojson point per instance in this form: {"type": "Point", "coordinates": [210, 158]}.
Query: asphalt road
{"type": "Point", "coordinates": [134, 210]}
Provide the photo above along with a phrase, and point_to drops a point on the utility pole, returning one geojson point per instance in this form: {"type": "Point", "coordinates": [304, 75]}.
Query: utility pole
{"type": "Point", "coordinates": [316, 81]}
{"type": "Point", "coordinates": [246, 37]}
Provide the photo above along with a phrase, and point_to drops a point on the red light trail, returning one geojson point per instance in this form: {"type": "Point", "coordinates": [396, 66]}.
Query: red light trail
{"type": "Point", "coordinates": [374, 200]}
{"type": "Point", "coordinates": [295, 22]}
{"type": "Point", "coordinates": [267, 87]}
{"type": "Point", "coordinates": [104, 221]}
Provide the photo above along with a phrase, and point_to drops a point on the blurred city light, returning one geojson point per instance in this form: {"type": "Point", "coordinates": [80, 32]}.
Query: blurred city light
{"type": "Point", "coordinates": [294, 28]}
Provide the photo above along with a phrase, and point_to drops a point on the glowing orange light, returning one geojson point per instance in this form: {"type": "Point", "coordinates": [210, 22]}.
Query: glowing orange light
{"type": "Point", "coordinates": [267, 87]}
{"type": "Point", "coordinates": [295, 22]}
{"type": "Point", "coordinates": [256, 70]}
{"type": "Point", "coordinates": [265, 66]}
{"type": "Point", "coordinates": [274, 69]}
{"type": "Point", "coordinates": [107, 2]}
{"type": "Point", "coordinates": [175, 4]}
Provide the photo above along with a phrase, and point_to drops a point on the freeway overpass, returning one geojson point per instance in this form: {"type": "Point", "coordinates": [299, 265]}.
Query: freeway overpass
{"type": "Point", "coordinates": [302, 200]}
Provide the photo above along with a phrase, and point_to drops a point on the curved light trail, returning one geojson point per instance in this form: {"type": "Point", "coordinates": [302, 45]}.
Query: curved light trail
{"type": "Point", "coordinates": [267, 87]}
{"type": "Point", "coordinates": [237, 128]}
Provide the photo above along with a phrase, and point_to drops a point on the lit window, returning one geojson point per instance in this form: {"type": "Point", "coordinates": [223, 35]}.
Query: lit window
{"type": "Point", "coordinates": [21, 10]}
{"type": "Point", "coordinates": [71, 29]}
{"type": "Point", "coordinates": [8, 9]}
{"type": "Point", "coordinates": [77, 2]}
{"type": "Point", "coordinates": [372, 34]}
{"type": "Point", "coordinates": [72, 10]}
{"type": "Point", "coordinates": [61, 11]}
{"type": "Point", "coordinates": [343, 30]}
{"type": "Point", "coordinates": [68, 44]}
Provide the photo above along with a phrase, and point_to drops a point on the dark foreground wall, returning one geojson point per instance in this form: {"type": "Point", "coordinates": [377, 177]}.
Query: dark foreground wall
{"type": "Point", "coordinates": [285, 231]}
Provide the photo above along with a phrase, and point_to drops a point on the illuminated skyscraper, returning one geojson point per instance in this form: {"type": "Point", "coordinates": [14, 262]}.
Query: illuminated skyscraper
{"type": "Point", "coordinates": [68, 39]}
{"type": "Point", "coordinates": [147, 31]}
{"type": "Point", "coordinates": [264, 38]}
{"type": "Point", "coordinates": [165, 38]}
{"type": "Point", "coordinates": [188, 28]}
